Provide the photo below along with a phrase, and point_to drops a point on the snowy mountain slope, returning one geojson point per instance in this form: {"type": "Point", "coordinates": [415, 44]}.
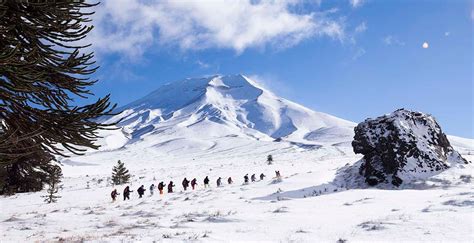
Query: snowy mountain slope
{"type": "Point", "coordinates": [197, 111]}
{"type": "Point", "coordinates": [225, 127]}
{"type": "Point", "coordinates": [234, 105]}
{"type": "Point", "coordinates": [304, 207]}
{"type": "Point", "coordinates": [463, 145]}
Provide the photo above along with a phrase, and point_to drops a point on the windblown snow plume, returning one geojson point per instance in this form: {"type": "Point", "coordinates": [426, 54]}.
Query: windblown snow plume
{"type": "Point", "coordinates": [402, 146]}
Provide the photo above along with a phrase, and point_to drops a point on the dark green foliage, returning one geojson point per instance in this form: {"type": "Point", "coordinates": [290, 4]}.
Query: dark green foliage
{"type": "Point", "coordinates": [53, 180]}
{"type": "Point", "coordinates": [269, 159]}
{"type": "Point", "coordinates": [120, 174]}
{"type": "Point", "coordinates": [28, 174]}
{"type": "Point", "coordinates": [42, 70]}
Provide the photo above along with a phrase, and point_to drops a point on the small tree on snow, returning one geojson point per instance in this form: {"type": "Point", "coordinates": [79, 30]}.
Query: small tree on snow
{"type": "Point", "coordinates": [270, 159]}
{"type": "Point", "coordinates": [120, 174]}
{"type": "Point", "coordinates": [53, 180]}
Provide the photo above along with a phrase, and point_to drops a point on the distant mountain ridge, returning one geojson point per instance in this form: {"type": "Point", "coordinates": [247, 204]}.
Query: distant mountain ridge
{"type": "Point", "coordinates": [223, 105]}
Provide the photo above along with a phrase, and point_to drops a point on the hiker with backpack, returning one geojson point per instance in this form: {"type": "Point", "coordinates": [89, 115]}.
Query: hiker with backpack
{"type": "Point", "coordinates": [161, 186]}
{"type": "Point", "coordinates": [246, 178]}
{"type": "Point", "coordinates": [114, 195]}
{"type": "Point", "coordinates": [152, 189]}
{"type": "Point", "coordinates": [219, 182]}
{"type": "Point", "coordinates": [262, 176]}
{"type": "Point", "coordinates": [206, 182]}
{"type": "Point", "coordinates": [185, 183]}
{"type": "Point", "coordinates": [126, 193]}
{"type": "Point", "coordinates": [170, 187]}
{"type": "Point", "coordinates": [253, 178]}
{"type": "Point", "coordinates": [141, 190]}
{"type": "Point", "coordinates": [194, 183]}
{"type": "Point", "coordinates": [229, 180]}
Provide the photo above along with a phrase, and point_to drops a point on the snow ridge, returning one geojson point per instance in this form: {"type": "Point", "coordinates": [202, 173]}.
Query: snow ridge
{"type": "Point", "coordinates": [220, 105]}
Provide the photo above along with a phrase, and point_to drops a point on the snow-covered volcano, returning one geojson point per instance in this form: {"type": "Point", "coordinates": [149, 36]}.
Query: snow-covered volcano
{"type": "Point", "coordinates": [232, 105]}
{"type": "Point", "coordinates": [226, 126]}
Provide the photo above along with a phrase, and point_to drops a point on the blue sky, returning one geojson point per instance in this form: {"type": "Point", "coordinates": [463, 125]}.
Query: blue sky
{"type": "Point", "coordinates": [353, 59]}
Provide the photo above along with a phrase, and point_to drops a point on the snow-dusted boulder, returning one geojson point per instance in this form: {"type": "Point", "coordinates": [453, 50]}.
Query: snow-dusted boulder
{"type": "Point", "coordinates": [402, 146]}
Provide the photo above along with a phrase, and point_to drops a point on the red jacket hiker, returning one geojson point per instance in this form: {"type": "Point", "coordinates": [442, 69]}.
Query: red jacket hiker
{"type": "Point", "coordinates": [161, 186]}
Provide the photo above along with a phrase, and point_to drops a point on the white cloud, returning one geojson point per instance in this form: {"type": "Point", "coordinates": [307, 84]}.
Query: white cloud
{"type": "Point", "coordinates": [362, 27]}
{"type": "Point", "coordinates": [202, 64]}
{"type": "Point", "coordinates": [392, 40]}
{"type": "Point", "coordinates": [472, 14]}
{"type": "Point", "coordinates": [356, 3]}
{"type": "Point", "coordinates": [358, 53]}
{"type": "Point", "coordinates": [447, 33]}
{"type": "Point", "coordinates": [133, 26]}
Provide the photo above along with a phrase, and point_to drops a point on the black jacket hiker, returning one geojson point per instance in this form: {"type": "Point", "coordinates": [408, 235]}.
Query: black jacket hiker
{"type": "Point", "coordinates": [141, 190]}
{"type": "Point", "coordinates": [253, 178]}
{"type": "Point", "coordinates": [219, 182]}
{"type": "Point", "coordinates": [206, 181]}
{"type": "Point", "coordinates": [170, 187]}
{"type": "Point", "coordinates": [126, 193]}
{"type": "Point", "coordinates": [229, 180]}
{"type": "Point", "coordinates": [185, 183]}
{"type": "Point", "coordinates": [262, 176]}
{"type": "Point", "coordinates": [246, 178]}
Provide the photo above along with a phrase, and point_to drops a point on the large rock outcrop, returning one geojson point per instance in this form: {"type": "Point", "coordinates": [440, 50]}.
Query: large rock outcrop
{"type": "Point", "coordinates": [402, 146]}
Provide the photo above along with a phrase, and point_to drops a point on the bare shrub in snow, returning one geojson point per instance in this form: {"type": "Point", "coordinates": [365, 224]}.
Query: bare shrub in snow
{"type": "Point", "coordinates": [372, 225]}
{"type": "Point", "coordinates": [281, 210]}
{"type": "Point", "coordinates": [466, 178]}
{"type": "Point", "coordinates": [459, 203]}
{"type": "Point", "coordinates": [301, 231]}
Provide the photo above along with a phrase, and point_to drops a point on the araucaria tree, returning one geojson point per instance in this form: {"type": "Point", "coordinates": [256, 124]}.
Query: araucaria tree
{"type": "Point", "coordinates": [53, 179]}
{"type": "Point", "coordinates": [42, 69]}
{"type": "Point", "coordinates": [270, 159]}
{"type": "Point", "coordinates": [120, 174]}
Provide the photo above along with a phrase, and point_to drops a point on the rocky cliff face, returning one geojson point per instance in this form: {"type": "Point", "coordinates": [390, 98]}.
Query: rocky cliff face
{"type": "Point", "coordinates": [402, 146]}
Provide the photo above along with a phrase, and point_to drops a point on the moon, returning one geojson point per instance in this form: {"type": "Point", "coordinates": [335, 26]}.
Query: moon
{"type": "Point", "coordinates": [425, 45]}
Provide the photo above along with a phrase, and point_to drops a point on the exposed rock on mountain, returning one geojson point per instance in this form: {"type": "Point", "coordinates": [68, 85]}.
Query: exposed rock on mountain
{"type": "Point", "coordinates": [402, 146]}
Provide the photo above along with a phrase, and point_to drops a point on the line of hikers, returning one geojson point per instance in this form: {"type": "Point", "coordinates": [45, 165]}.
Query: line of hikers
{"type": "Point", "coordinates": [161, 186]}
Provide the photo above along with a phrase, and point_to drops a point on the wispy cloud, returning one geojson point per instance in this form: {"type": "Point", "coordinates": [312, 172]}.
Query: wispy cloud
{"type": "Point", "coordinates": [358, 53]}
{"type": "Point", "coordinates": [392, 40]}
{"type": "Point", "coordinates": [202, 64]}
{"type": "Point", "coordinates": [362, 27]}
{"type": "Point", "coordinates": [272, 83]}
{"type": "Point", "coordinates": [356, 3]}
{"type": "Point", "coordinates": [132, 26]}
{"type": "Point", "coordinates": [357, 50]}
